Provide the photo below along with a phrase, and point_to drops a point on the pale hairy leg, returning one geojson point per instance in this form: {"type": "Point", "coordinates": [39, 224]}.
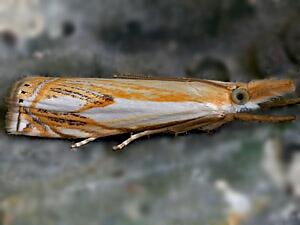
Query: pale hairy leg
{"type": "Point", "coordinates": [177, 128]}
{"type": "Point", "coordinates": [137, 136]}
{"type": "Point", "coordinates": [83, 142]}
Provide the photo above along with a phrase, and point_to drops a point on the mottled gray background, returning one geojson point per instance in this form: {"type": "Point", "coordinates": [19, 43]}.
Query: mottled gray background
{"type": "Point", "coordinates": [245, 173]}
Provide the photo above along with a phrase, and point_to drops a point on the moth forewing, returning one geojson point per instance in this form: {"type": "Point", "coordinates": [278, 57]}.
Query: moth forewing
{"type": "Point", "coordinates": [80, 107]}
{"type": "Point", "coordinates": [92, 107]}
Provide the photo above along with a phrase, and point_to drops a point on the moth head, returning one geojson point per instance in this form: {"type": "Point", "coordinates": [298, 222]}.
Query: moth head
{"type": "Point", "coordinates": [249, 96]}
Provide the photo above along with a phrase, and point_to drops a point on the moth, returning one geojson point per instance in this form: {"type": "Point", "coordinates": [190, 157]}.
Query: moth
{"type": "Point", "coordinates": [91, 108]}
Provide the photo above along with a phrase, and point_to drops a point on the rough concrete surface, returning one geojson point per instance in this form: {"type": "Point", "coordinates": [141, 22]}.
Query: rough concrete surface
{"type": "Point", "coordinates": [244, 173]}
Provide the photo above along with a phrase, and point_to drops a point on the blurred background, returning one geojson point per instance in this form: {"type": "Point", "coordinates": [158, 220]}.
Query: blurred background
{"type": "Point", "coordinates": [244, 173]}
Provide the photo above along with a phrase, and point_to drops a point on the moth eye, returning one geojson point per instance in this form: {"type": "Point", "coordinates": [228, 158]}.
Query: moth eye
{"type": "Point", "coordinates": [240, 96]}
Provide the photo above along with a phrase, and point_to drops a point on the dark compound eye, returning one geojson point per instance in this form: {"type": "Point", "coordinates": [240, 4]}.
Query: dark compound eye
{"type": "Point", "coordinates": [240, 96]}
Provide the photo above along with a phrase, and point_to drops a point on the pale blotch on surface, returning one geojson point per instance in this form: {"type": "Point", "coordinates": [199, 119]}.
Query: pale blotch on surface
{"type": "Point", "coordinates": [21, 17]}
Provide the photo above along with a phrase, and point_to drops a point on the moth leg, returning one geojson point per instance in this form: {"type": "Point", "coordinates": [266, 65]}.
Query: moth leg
{"type": "Point", "coordinates": [280, 103]}
{"type": "Point", "coordinates": [258, 118]}
{"type": "Point", "coordinates": [137, 136]}
{"type": "Point", "coordinates": [245, 117]}
{"type": "Point", "coordinates": [212, 126]}
{"type": "Point", "coordinates": [83, 142]}
{"type": "Point", "coordinates": [177, 128]}
{"type": "Point", "coordinates": [195, 124]}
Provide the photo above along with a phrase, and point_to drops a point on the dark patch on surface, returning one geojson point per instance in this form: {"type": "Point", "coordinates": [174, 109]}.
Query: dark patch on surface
{"type": "Point", "coordinates": [239, 9]}
{"type": "Point", "coordinates": [291, 149]}
{"type": "Point", "coordinates": [9, 38]}
{"type": "Point", "coordinates": [118, 173]}
{"type": "Point", "coordinates": [68, 28]}
{"type": "Point", "coordinates": [290, 37]}
{"type": "Point", "coordinates": [2, 217]}
{"type": "Point", "coordinates": [70, 65]}
{"type": "Point", "coordinates": [249, 62]}
{"type": "Point", "coordinates": [184, 22]}
{"type": "Point", "coordinates": [267, 56]}
{"type": "Point", "coordinates": [3, 110]}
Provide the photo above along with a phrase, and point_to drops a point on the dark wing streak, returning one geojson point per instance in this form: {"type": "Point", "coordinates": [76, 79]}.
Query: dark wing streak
{"type": "Point", "coordinates": [94, 93]}
{"type": "Point", "coordinates": [35, 118]}
{"type": "Point", "coordinates": [19, 119]}
{"type": "Point", "coordinates": [148, 77]}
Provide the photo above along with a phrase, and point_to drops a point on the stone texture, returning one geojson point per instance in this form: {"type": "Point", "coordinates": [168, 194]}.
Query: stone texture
{"type": "Point", "coordinates": [164, 180]}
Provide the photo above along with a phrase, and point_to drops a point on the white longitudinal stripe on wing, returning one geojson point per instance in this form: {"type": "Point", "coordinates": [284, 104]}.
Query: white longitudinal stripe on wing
{"type": "Point", "coordinates": [61, 104]}
{"type": "Point", "coordinates": [74, 132]}
{"type": "Point", "coordinates": [130, 113]}
{"type": "Point", "coordinates": [233, 108]}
